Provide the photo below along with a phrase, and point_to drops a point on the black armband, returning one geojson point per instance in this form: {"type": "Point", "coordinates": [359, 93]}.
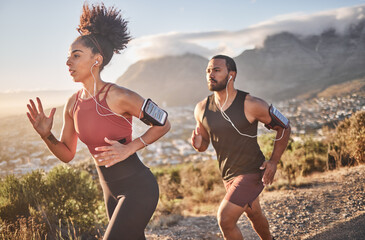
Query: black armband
{"type": "Point", "coordinates": [152, 114]}
{"type": "Point", "coordinates": [277, 119]}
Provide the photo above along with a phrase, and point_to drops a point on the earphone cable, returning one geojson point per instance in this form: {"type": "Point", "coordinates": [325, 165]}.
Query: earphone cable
{"type": "Point", "coordinates": [98, 104]}
{"type": "Point", "coordinates": [225, 116]}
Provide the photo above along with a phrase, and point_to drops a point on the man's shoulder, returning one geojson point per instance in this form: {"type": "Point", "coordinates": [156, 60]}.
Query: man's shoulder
{"type": "Point", "coordinates": [200, 108]}
{"type": "Point", "coordinates": [255, 107]}
{"type": "Point", "coordinates": [253, 99]}
{"type": "Point", "coordinates": [201, 105]}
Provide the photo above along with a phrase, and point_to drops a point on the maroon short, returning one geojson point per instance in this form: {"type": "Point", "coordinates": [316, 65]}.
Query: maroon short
{"type": "Point", "coordinates": [244, 189]}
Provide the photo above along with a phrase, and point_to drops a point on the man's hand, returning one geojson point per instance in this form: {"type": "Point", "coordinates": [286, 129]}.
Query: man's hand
{"type": "Point", "coordinates": [196, 138]}
{"type": "Point", "coordinates": [270, 170]}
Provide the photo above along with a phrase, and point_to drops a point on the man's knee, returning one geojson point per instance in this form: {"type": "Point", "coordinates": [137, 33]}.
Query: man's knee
{"type": "Point", "coordinates": [225, 222]}
{"type": "Point", "coordinates": [228, 215]}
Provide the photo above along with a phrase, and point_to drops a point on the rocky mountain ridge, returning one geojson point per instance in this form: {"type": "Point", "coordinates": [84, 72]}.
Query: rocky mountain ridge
{"type": "Point", "coordinates": [286, 66]}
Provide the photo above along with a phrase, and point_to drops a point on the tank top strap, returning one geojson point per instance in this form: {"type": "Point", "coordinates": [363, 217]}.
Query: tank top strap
{"type": "Point", "coordinates": [76, 102]}
{"type": "Point", "coordinates": [106, 92]}
{"type": "Point", "coordinates": [243, 94]}
{"type": "Point", "coordinates": [206, 107]}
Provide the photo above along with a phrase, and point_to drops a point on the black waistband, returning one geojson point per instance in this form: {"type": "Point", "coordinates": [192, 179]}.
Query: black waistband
{"type": "Point", "coordinates": [121, 170]}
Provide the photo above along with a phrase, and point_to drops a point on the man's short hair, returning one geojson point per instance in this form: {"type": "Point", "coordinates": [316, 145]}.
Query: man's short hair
{"type": "Point", "coordinates": [231, 65]}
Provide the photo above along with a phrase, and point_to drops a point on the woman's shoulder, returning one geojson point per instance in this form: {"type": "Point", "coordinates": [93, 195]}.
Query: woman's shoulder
{"type": "Point", "coordinates": [71, 102]}
{"type": "Point", "coordinates": [123, 100]}
{"type": "Point", "coordinates": [119, 92]}
{"type": "Point", "coordinates": [72, 99]}
{"type": "Point", "coordinates": [115, 88]}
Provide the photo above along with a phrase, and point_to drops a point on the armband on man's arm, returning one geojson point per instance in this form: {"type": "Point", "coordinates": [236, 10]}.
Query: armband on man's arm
{"type": "Point", "coordinates": [277, 119]}
{"type": "Point", "coordinates": [152, 114]}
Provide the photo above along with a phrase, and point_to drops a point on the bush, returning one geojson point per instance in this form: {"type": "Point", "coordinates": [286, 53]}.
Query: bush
{"type": "Point", "coordinates": [301, 157]}
{"type": "Point", "coordinates": [184, 186]}
{"type": "Point", "coordinates": [72, 194]}
{"type": "Point", "coordinates": [12, 199]}
{"type": "Point", "coordinates": [346, 145]}
{"type": "Point", "coordinates": [23, 228]}
{"type": "Point", "coordinates": [64, 200]}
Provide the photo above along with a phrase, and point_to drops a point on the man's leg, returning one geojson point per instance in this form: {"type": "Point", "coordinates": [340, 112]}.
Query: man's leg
{"type": "Point", "coordinates": [228, 215]}
{"type": "Point", "coordinates": [258, 220]}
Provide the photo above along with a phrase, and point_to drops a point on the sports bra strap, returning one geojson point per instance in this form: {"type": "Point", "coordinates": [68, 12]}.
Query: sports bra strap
{"type": "Point", "coordinates": [106, 92]}
{"type": "Point", "coordinates": [101, 89]}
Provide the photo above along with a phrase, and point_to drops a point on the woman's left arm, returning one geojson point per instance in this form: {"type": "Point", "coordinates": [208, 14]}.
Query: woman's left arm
{"type": "Point", "coordinates": [127, 103]}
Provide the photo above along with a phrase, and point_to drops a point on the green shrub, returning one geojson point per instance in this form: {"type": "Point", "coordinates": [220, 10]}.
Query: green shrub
{"type": "Point", "coordinates": [12, 199]}
{"type": "Point", "coordinates": [184, 186]}
{"type": "Point", "coordinates": [64, 197]}
{"type": "Point", "coordinates": [301, 157]}
{"type": "Point", "coordinates": [71, 194]}
{"type": "Point", "coordinates": [346, 145]}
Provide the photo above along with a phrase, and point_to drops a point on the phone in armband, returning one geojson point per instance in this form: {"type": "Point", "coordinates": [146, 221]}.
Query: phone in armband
{"type": "Point", "coordinates": [152, 114]}
{"type": "Point", "coordinates": [277, 119]}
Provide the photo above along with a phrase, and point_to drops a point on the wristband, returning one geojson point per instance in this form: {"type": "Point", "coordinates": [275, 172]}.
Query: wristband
{"type": "Point", "coordinates": [144, 143]}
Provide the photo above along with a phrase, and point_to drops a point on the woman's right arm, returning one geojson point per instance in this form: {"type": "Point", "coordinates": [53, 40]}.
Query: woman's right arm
{"type": "Point", "coordinates": [65, 148]}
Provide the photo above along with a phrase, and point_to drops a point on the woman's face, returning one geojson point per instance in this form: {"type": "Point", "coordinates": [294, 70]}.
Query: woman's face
{"type": "Point", "coordinates": [80, 61]}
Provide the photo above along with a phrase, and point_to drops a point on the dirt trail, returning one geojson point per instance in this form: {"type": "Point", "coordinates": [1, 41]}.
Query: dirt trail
{"type": "Point", "coordinates": [332, 206]}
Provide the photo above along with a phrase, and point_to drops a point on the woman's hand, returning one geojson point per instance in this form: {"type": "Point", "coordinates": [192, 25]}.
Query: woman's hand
{"type": "Point", "coordinates": [112, 154]}
{"type": "Point", "coordinates": [41, 123]}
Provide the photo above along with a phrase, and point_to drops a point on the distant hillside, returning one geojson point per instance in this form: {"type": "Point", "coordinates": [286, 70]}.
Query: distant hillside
{"type": "Point", "coordinates": [339, 90]}
{"type": "Point", "coordinates": [285, 67]}
{"type": "Point", "coordinates": [352, 87]}
{"type": "Point", "coordinates": [13, 103]}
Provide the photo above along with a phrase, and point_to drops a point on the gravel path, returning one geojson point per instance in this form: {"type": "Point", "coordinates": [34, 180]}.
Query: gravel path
{"type": "Point", "coordinates": [331, 206]}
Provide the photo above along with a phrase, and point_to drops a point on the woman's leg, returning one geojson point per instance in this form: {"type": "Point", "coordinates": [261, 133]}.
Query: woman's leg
{"type": "Point", "coordinates": [134, 209]}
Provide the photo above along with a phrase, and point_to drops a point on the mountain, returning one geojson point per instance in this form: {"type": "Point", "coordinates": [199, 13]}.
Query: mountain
{"type": "Point", "coordinates": [286, 66]}
{"type": "Point", "coordinates": [289, 65]}
{"type": "Point", "coordinates": [178, 80]}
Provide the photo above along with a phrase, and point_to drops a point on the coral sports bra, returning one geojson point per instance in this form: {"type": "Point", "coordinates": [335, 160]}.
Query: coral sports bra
{"type": "Point", "coordinates": [92, 127]}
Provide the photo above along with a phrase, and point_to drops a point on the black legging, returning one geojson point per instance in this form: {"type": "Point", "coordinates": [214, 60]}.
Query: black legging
{"type": "Point", "coordinates": [130, 201]}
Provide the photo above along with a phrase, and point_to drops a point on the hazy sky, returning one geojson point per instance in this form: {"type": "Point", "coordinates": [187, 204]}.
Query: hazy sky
{"type": "Point", "coordinates": [36, 35]}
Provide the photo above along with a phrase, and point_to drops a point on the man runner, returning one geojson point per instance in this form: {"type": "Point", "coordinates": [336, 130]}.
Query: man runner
{"type": "Point", "coordinates": [228, 118]}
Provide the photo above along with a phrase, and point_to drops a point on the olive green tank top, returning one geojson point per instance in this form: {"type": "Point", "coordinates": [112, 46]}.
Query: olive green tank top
{"type": "Point", "coordinates": [236, 154]}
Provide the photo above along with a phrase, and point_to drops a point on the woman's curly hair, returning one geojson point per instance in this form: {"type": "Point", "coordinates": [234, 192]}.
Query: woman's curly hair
{"type": "Point", "coordinates": [103, 30]}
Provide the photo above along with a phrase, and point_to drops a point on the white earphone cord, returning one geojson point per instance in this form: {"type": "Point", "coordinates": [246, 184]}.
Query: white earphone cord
{"type": "Point", "coordinates": [98, 104]}
{"type": "Point", "coordinates": [225, 116]}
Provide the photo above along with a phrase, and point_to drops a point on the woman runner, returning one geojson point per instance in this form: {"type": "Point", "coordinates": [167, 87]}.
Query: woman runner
{"type": "Point", "coordinates": [100, 114]}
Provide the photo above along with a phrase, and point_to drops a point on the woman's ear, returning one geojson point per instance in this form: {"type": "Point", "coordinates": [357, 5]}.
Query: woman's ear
{"type": "Point", "coordinates": [99, 60]}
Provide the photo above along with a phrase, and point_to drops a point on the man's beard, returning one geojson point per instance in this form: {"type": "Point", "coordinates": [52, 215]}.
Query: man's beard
{"type": "Point", "coordinates": [218, 86]}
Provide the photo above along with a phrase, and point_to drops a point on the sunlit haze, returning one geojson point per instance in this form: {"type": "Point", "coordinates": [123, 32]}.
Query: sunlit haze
{"type": "Point", "coordinates": [36, 35]}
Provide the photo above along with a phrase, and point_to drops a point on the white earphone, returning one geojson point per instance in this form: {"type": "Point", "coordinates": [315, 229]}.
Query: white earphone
{"type": "Point", "coordinates": [96, 62]}
{"type": "Point", "coordinates": [229, 78]}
